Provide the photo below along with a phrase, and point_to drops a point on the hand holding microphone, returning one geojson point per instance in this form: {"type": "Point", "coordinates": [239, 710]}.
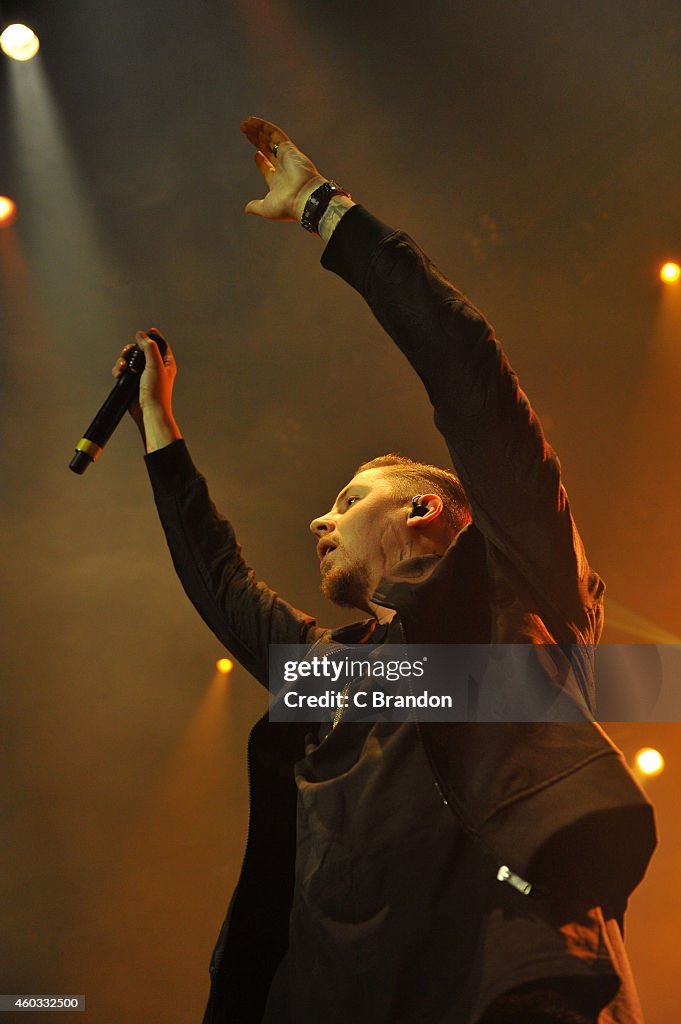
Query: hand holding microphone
{"type": "Point", "coordinates": [144, 374]}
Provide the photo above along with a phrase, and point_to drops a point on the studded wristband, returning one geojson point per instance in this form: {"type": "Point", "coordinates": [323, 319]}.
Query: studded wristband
{"type": "Point", "coordinates": [317, 204]}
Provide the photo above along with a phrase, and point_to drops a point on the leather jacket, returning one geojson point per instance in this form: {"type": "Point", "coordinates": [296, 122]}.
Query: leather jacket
{"type": "Point", "coordinates": [550, 801]}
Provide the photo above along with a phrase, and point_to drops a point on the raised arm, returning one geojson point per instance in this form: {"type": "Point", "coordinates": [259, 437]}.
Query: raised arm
{"type": "Point", "coordinates": [243, 613]}
{"type": "Point", "coordinates": [511, 476]}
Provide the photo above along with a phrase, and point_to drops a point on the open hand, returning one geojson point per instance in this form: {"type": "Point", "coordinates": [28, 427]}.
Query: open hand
{"type": "Point", "coordinates": [290, 175]}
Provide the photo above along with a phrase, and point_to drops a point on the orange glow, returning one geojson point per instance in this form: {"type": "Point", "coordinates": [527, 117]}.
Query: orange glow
{"type": "Point", "coordinates": [8, 211]}
{"type": "Point", "coordinates": [649, 761]}
{"type": "Point", "coordinates": [224, 665]}
{"type": "Point", "coordinates": [173, 838]}
{"type": "Point", "coordinates": [670, 273]}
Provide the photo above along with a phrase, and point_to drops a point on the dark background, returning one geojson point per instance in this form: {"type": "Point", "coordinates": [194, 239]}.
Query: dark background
{"type": "Point", "coordinates": [533, 150]}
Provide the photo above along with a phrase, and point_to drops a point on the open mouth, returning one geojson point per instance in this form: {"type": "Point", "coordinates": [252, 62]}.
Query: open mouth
{"type": "Point", "coordinates": [324, 549]}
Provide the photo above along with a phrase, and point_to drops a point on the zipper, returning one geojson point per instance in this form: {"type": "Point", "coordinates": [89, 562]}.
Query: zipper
{"type": "Point", "coordinates": [504, 873]}
{"type": "Point", "coordinates": [331, 648]}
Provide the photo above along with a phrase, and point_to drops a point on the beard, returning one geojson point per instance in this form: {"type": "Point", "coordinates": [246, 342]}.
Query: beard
{"type": "Point", "coordinates": [348, 586]}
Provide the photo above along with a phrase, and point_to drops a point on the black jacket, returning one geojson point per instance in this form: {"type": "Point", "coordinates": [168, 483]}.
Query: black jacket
{"type": "Point", "coordinates": [535, 796]}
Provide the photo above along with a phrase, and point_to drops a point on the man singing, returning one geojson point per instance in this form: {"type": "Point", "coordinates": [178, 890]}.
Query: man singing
{"type": "Point", "coordinates": [416, 873]}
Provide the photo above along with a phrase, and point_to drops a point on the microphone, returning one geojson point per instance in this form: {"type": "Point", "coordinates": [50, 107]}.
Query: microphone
{"type": "Point", "coordinates": [124, 392]}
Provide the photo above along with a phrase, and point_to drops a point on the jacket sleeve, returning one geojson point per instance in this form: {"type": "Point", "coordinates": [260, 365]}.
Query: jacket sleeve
{"type": "Point", "coordinates": [510, 474]}
{"type": "Point", "coordinates": [243, 613]}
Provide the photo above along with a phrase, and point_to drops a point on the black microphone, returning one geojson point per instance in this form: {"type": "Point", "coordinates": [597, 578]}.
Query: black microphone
{"type": "Point", "coordinates": [124, 392]}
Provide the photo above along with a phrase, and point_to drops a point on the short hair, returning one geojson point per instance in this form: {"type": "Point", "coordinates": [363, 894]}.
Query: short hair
{"type": "Point", "coordinates": [420, 476]}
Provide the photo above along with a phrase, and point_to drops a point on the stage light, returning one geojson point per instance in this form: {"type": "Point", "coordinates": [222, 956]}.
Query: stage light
{"type": "Point", "coordinates": [649, 761]}
{"type": "Point", "coordinates": [8, 211]}
{"type": "Point", "coordinates": [19, 42]}
{"type": "Point", "coordinates": [224, 665]}
{"type": "Point", "coordinates": [670, 273]}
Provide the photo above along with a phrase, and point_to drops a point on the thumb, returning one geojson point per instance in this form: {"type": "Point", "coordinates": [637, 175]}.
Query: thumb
{"type": "Point", "coordinates": [153, 361]}
{"type": "Point", "coordinates": [255, 206]}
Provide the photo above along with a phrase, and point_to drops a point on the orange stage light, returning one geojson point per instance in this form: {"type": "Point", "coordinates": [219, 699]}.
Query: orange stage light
{"type": "Point", "coordinates": [670, 273]}
{"type": "Point", "coordinates": [19, 42]}
{"type": "Point", "coordinates": [8, 211]}
{"type": "Point", "coordinates": [649, 761]}
{"type": "Point", "coordinates": [224, 665]}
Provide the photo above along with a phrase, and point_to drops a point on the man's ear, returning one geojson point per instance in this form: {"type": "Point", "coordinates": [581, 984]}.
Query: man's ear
{"type": "Point", "coordinates": [425, 510]}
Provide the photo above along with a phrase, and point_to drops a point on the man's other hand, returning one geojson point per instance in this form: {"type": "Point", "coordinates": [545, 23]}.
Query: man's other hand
{"type": "Point", "coordinates": [153, 411]}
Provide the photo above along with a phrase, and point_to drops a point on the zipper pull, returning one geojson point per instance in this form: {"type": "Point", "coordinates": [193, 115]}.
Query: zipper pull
{"type": "Point", "coordinates": [504, 874]}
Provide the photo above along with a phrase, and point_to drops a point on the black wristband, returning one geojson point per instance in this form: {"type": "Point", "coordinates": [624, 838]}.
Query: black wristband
{"type": "Point", "coordinates": [317, 204]}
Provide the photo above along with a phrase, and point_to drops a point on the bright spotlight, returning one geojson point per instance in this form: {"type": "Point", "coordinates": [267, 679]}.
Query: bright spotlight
{"type": "Point", "coordinates": [8, 211]}
{"type": "Point", "coordinates": [670, 273]}
{"type": "Point", "coordinates": [649, 761]}
{"type": "Point", "coordinates": [224, 665]}
{"type": "Point", "coordinates": [19, 42]}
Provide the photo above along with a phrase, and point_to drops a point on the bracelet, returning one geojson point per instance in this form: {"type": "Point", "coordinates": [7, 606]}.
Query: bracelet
{"type": "Point", "coordinates": [317, 204]}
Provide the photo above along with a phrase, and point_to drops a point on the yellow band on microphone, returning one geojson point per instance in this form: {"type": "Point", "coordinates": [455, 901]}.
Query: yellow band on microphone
{"type": "Point", "coordinates": [89, 447]}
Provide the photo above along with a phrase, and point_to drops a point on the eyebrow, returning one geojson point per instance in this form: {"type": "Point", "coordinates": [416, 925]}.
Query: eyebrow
{"type": "Point", "coordinates": [346, 490]}
{"type": "Point", "coordinates": [341, 496]}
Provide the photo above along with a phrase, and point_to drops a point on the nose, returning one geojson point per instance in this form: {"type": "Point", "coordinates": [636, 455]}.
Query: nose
{"type": "Point", "coordinates": [322, 525]}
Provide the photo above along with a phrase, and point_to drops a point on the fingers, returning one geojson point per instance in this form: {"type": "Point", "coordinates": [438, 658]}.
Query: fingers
{"type": "Point", "coordinates": [152, 354]}
{"type": "Point", "coordinates": [156, 336]}
{"type": "Point", "coordinates": [153, 361]}
{"type": "Point", "coordinates": [121, 363]}
{"type": "Point", "coordinates": [266, 168]}
{"type": "Point", "coordinates": [263, 134]}
{"type": "Point", "coordinates": [159, 338]}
